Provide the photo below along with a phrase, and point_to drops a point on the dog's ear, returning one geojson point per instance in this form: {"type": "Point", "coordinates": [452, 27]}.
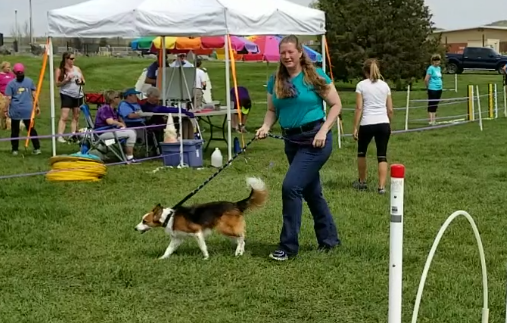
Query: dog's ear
{"type": "Point", "coordinates": [157, 212]}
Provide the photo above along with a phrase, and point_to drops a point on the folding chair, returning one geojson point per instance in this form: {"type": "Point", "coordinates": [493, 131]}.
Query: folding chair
{"type": "Point", "coordinates": [91, 140]}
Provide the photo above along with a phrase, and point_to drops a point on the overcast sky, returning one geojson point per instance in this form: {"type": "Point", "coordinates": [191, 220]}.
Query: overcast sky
{"type": "Point", "coordinates": [448, 14]}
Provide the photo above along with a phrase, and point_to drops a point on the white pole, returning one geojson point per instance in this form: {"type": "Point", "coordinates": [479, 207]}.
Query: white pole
{"type": "Point", "coordinates": [407, 107]}
{"type": "Point", "coordinates": [473, 104]}
{"type": "Point", "coordinates": [396, 244]}
{"type": "Point", "coordinates": [52, 96]}
{"type": "Point", "coordinates": [479, 106]}
{"type": "Point", "coordinates": [456, 83]}
{"type": "Point", "coordinates": [505, 100]}
{"type": "Point", "coordinates": [339, 133]}
{"type": "Point", "coordinates": [182, 164]}
{"type": "Point", "coordinates": [228, 96]}
{"type": "Point", "coordinates": [496, 101]}
{"type": "Point", "coordinates": [164, 76]}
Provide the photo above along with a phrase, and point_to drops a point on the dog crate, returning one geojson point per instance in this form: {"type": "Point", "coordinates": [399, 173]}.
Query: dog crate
{"type": "Point", "coordinates": [192, 153]}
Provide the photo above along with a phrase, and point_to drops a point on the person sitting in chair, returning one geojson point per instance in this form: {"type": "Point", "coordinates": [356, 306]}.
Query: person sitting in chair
{"type": "Point", "coordinates": [107, 116]}
{"type": "Point", "coordinates": [152, 104]}
{"type": "Point", "coordinates": [129, 109]}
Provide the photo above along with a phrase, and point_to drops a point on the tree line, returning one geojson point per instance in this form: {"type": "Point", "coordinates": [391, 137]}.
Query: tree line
{"type": "Point", "coordinates": [399, 33]}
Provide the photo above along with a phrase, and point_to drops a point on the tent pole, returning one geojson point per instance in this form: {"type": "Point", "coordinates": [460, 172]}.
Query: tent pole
{"type": "Point", "coordinates": [228, 96]}
{"type": "Point", "coordinates": [163, 70]}
{"type": "Point", "coordinates": [52, 95]}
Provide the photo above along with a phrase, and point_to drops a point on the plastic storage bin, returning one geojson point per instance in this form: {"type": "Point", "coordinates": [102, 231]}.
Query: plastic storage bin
{"type": "Point", "coordinates": [192, 153]}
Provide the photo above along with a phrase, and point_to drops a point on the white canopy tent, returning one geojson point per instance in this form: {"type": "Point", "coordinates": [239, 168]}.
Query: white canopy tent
{"type": "Point", "coordinates": [138, 18]}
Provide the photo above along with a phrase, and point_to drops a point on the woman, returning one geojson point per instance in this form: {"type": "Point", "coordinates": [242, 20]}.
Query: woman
{"type": "Point", "coordinates": [434, 85]}
{"type": "Point", "coordinates": [372, 118]}
{"type": "Point", "coordinates": [5, 77]}
{"type": "Point", "coordinates": [20, 94]}
{"type": "Point", "coordinates": [70, 80]}
{"type": "Point", "coordinates": [295, 97]}
{"type": "Point", "coordinates": [107, 115]}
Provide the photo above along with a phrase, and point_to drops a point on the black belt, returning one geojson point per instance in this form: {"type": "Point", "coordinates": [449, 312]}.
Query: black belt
{"type": "Point", "coordinates": [303, 128]}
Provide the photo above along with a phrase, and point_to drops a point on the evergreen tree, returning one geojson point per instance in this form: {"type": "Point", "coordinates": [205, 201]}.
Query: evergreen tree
{"type": "Point", "coordinates": [396, 32]}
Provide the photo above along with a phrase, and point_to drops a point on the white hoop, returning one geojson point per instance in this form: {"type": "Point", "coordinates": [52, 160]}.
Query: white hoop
{"type": "Point", "coordinates": [485, 310]}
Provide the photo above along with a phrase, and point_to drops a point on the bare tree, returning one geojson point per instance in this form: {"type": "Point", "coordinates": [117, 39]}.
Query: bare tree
{"type": "Point", "coordinates": [314, 4]}
{"type": "Point", "coordinates": [25, 32]}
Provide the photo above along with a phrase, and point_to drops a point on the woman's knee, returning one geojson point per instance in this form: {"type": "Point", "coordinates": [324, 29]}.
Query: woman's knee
{"type": "Point", "coordinates": [131, 139]}
{"type": "Point", "coordinates": [64, 115]}
{"type": "Point", "coordinates": [75, 115]}
{"type": "Point", "coordinates": [291, 187]}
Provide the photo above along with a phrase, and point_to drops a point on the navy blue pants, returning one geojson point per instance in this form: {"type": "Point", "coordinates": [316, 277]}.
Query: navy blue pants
{"type": "Point", "coordinates": [303, 181]}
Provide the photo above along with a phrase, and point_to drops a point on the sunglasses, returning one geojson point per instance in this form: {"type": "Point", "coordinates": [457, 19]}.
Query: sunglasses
{"type": "Point", "coordinates": [71, 58]}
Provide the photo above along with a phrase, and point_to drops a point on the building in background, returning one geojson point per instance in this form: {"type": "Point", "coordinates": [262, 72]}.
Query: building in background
{"type": "Point", "coordinates": [484, 36]}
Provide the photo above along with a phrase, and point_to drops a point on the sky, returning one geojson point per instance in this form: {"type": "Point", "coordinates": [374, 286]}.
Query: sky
{"type": "Point", "coordinates": [447, 14]}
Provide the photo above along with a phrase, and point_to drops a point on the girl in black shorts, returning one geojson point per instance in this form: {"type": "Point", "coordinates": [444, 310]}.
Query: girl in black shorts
{"type": "Point", "coordinates": [372, 119]}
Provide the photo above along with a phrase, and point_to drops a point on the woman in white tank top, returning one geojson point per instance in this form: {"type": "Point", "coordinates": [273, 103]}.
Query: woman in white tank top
{"type": "Point", "coordinates": [70, 80]}
{"type": "Point", "coordinates": [372, 119]}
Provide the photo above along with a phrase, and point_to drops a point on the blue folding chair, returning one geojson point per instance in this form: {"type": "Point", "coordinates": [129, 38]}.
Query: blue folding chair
{"type": "Point", "coordinates": [91, 140]}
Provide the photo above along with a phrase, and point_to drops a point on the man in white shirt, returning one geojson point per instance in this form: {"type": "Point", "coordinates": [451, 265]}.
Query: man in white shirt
{"type": "Point", "coordinates": [181, 61]}
{"type": "Point", "coordinates": [199, 86]}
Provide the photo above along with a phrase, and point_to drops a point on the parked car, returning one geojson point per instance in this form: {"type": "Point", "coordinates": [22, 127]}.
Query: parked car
{"type": "Point", "coordinates": [475, 58]}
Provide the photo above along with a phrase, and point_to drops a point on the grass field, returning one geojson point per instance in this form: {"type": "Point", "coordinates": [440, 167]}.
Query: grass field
{"type": "Point", "coordinates": [68, 251]}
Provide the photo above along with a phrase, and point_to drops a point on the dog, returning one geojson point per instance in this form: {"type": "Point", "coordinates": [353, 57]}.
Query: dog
{"type": "Point", "coordinates": [199, 220]}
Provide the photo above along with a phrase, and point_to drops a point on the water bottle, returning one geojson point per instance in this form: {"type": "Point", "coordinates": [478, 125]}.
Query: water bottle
{"type": "Point", "coordinates": [237, 147]}
{"type": "Point", "coordinates": [216, 158]}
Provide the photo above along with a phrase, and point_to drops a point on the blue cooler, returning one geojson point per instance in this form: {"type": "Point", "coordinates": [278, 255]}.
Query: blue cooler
{"type": "Point", "coordinates": [192, 153]}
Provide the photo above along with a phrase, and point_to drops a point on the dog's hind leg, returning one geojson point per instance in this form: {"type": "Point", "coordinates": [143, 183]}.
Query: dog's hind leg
{"type": "Point", "coordinates": [173, 245]}
{"type": "Point", "coordinates": [240, 249]}
{"type": "Point", "coordinates": [199, 236]}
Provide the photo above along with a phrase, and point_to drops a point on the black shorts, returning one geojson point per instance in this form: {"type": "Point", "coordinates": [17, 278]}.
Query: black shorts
{"type": "Point", "coordinates": [70, 102]}
{"type": "Point", "coordinates": [433, 99]}
{"type": "Point", "coordinates": [381, 132]}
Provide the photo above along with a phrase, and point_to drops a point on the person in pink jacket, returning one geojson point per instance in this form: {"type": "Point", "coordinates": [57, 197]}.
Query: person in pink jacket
{"type": "Point", "coordinates": [6, 76]}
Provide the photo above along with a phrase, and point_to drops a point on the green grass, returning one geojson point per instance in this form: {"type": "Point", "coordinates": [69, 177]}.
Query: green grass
{"type": "Point", "coordinates": [68, 251]}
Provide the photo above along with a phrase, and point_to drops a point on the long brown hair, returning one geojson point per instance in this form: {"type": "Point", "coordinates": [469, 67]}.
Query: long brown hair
{"type": "Point", "coordinates": [311, 77]}
{"type": "Point", "coordinates": [371, 70]}
{"type": "Point", "coordinates": [63, 71]}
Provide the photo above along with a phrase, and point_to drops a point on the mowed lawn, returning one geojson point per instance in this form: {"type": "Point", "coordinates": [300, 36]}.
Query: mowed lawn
{"type": "Point", "coordinates": [69, 252]}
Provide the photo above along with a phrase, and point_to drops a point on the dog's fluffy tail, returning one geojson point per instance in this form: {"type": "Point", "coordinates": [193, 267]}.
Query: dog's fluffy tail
{"type": "Point", "coordinates": [258, 195]}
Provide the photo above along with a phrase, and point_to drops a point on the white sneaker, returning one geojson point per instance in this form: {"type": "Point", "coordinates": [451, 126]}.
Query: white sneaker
{"type": "Point", "coordinates": [36, 152]}
{"type": "Point", "coordinates": [15, 153]}
{"type": "Point", "coordinates": [61, 140]}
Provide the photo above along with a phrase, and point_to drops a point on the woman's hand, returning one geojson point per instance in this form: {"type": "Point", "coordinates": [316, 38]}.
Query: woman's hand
{"type": "Point", "coordinates": [37, 111]}
{"type": "Point", "coordinates": [355, 134]}
{"type": "Point", "coordinates": [262, 132]}
{"type": "Point", "coordinates": [319, 141]}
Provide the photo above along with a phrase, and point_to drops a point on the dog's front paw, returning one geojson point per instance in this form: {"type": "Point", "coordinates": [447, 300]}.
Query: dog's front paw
{"type": "Point", "coordinates": [205, 258]}
{"type": "Point", "coordinates": [163, 257]}
{"type": "Point", "coordinates": [239, 252]}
